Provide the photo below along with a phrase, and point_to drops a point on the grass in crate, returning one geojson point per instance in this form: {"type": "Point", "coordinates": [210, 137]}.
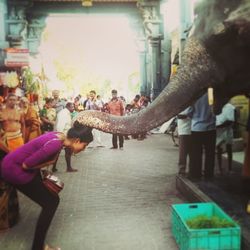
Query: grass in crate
{"type": "Point", "coordinates": [204, 221]}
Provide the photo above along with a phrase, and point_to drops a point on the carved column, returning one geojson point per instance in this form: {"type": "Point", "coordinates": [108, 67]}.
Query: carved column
{"type": "Point", "coordinates": [143, 69]}
{"type": "Point", "coordinates": [35, 28]}
{"type": "Point", "coordinates": [17, 23]}
{"type": "Point", "coordinates": [165, 48]}
{"type": "Point", "coordinates": [185, 23]}
{"type": "Point", "coordinates": [3, 14]}
{"type": "Point", "coordinates": [155, 67]}
{"type": "Point", "coordinates": [152, 22]}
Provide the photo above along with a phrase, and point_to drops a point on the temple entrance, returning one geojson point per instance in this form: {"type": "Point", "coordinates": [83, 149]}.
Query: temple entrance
{"type": "Point", "coordinates": [131, 35]}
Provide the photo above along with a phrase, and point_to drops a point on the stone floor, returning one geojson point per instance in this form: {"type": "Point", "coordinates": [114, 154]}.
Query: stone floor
{"type": "Point", "coordinates": [118, 200]}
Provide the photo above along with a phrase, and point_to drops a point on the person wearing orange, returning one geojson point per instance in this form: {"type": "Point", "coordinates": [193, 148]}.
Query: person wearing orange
{"type": "Point", "coordinates": [115, 107]}
{"type": "Point", "coordinates": [32, 120]}
{"type": "Point", "coordinates": [12, 124]}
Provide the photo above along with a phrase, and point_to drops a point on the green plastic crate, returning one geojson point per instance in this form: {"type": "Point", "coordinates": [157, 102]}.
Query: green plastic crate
{"type": "Point", "coordinates": [203, 239]}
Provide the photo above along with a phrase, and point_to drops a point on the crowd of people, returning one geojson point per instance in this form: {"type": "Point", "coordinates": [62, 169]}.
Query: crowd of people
{"type": "Point", "coordinates": [22, 121]}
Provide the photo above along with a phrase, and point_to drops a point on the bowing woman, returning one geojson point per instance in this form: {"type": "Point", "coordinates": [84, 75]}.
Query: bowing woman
{"type": "Point", "coordinates": [20, 168]}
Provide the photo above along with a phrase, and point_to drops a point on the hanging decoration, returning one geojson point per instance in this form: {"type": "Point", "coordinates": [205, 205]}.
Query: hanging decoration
{"type": "Point", "coordinates": [11, 79]}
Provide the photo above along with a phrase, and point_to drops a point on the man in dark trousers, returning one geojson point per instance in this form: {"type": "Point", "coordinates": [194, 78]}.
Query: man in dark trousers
{"type": "Point", "coordinates": [115, 107]}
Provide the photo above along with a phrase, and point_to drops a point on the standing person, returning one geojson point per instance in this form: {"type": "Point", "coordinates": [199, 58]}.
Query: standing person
{"type": "Point", "coordinates": [59, 104]}
{"type": "Point", "coordinates": [20, 168]}
{"type": "Point", "coordinates": [32, 120]}
{"type": "Point", "coordinates": [12, 124]}
{"type": "Point", "coordinates": [143, 104]}
{"type": "Point", "coordinates": [115, 107]}
{"type": "Point", "coordinates": [203, 135]}
{"type": "Point", "coordinates": [93, 104]}
{"type": "Point", "coordinates": [136, 102]}
{"type": "Point", "coordinates": [84, 102]}
{"type": "Point", "coordinates": [63, 124]}
{"type": "Point", "coordinates": [184, 132]}
{"type": "Point", "coordinates": [99, 102]}
{"type": "Point", "coordinates": [224, 133]}
{"type": "Point", "coordinates": [48, 116]}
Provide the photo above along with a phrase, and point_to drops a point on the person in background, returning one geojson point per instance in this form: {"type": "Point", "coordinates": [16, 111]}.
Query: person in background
{"type": "Point", "coordinates": [184, 132]}
{"type": "Point", "coordinates": [84, 103]}
{"type": "Point", "coordinates": [76, 103]}
{"type": "Point", "coordinates": [224, 134]}
{"type": "Point", "coordinates": [1, 103]}
{"type": "Point", "coordinates": [122, 98]}
{"type": "Point", "coordinates": [99, 102]}
{"type": "Point", "coordinates": [12, 124]}
{"type": "Point", "coordinates": [93, 104]}
{"type": "Point", "coordinates": [128, 109]}
{"type": "Point", "coordinates": [136, 103]}
{"type": "Point", "coordinates": [63, 124]}
{"type": "Point", "coordinates": [143, 104]}
{"type": "Point", "coordinates": [48, 116]}
{"type": "Point", "coordinates": [135, 108]}
{"type": "Point", "coordinates": [203, 135]}
{"type": "Point", "coordinates": [115, 107]}
{"type": "Point", "coordinates": [59, 104]}
{"type": "Point", "coordinates": [20, 168]}
{"type": "Point", "coordinates": [32, 120]}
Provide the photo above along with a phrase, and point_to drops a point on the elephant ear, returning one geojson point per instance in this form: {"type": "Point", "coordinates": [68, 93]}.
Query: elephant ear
{"type": "Point", "coordinates": [240, 17]}
{"type": "Point", "coordinates": [211, 16]}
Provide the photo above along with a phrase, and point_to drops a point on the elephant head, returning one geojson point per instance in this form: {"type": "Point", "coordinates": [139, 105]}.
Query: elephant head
{"type": "Point", "coordinates": [216, 54]}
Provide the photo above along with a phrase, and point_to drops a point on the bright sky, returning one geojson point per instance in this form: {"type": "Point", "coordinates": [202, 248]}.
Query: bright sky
{"type": "Point", "coordinates": [100, 45]}
{"type": "Point", "coordinates": [172, 13]}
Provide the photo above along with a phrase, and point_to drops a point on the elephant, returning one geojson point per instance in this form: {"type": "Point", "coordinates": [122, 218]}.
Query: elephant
{"type": "Point", "coordinates": [216, 54]}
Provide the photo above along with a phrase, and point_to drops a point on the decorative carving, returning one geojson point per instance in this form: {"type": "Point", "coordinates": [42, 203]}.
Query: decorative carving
{"type": "Point", "coordinates": [35, 29]}
{"type": "Point", "coordinates": [151, 19]}
{"type": "Point", "coordinates": [17, 25]}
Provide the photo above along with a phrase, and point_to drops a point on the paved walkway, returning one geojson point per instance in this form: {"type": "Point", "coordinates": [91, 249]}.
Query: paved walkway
{"type": "Point", "coordinates": [119, 200]}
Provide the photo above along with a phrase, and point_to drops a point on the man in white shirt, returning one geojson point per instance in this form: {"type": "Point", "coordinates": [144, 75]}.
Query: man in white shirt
{"type": "Point", "coordinates": [63, 124]}
{"type": "Point", "coordinates": [94, 104]}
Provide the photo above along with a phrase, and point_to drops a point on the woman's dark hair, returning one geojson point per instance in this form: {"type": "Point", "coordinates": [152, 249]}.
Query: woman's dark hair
{"type": "Point", "coordinates": [81, 132]}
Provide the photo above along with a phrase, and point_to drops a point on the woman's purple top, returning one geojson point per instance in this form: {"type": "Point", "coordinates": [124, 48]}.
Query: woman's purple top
{"type": "Point", "coordinates": [33, 153]}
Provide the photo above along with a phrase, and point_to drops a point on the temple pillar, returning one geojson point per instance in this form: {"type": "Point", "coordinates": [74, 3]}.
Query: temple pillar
{"type": "Point", "coordinates": [185, 23]}
{"type": "Point", "coordinates": [155, 67]}
{"type": "Point", "coordinates": [17, 23]}
{"type": "Point", "coordinates": [3, 14]}
{"type": "Point", "coordinates": [166, 49]}
{"type": "Point", "coordinates": [36, 26]}
{"type": "Point", "coordinates": [150, 11]}
{"type": "Point", "coordinates": [143, 69]}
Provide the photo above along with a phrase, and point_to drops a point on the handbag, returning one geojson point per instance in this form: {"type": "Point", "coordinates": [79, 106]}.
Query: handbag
{"type": "Point", "coordinates": [52, 182]}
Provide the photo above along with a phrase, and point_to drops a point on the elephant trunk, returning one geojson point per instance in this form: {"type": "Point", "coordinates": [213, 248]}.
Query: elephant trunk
{"type": "Point", "coordinates": [194, 75]}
